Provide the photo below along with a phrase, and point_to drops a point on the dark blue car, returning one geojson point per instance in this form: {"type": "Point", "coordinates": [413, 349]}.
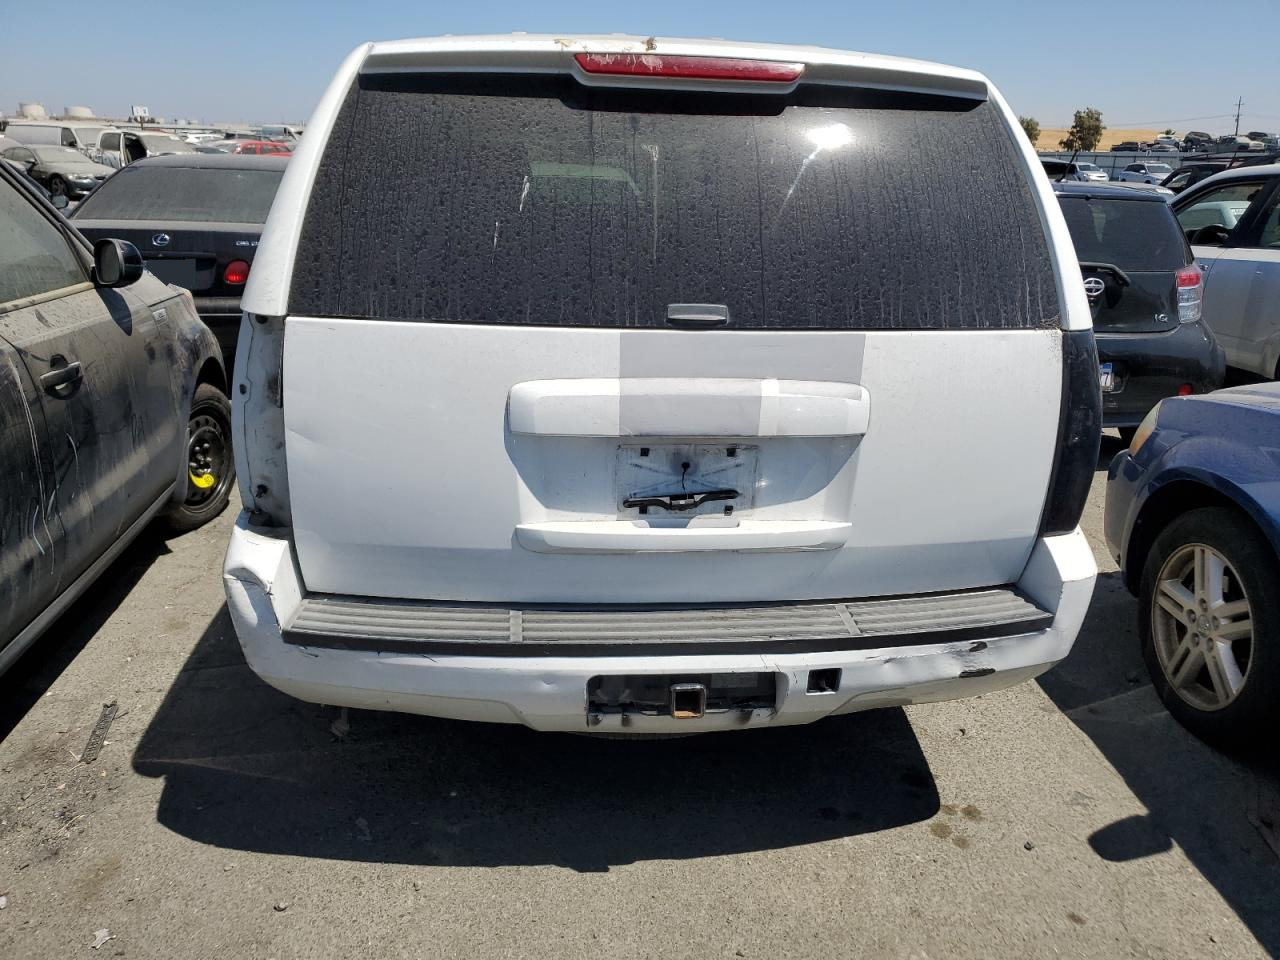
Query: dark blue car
{"type": "Point", "coordinates": [1193, 519]}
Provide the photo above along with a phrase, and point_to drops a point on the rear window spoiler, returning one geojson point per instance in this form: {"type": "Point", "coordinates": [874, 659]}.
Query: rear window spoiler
{"type": "Point", "coordinates": [529, 54]}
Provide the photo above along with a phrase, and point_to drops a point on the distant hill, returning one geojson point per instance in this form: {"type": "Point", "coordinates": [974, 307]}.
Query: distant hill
{"type": "Point", "coordinates": [1049, 139]}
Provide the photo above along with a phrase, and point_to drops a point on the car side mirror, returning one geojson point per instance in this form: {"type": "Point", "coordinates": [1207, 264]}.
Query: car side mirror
{"type": "Point", "coordinates": [1214, 235]}
{"type": "Point", "coordinates": [59, 201]}
{"type": "Point", "coordinates": [116, 263]}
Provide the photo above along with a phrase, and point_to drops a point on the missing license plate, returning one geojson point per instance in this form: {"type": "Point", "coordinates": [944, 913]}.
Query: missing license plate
{"type": "Point", "coordinates": [181, 273]}
{"type": "Point", "coordinates": [684, 480]}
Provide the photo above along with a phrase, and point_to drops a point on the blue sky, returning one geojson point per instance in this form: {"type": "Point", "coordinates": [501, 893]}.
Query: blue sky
{"type": "Point", "coordinates": [1142, 64]}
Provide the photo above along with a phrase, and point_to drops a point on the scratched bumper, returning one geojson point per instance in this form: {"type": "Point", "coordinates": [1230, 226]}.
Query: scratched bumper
{"type": "Point", "coordinates": [549, 693]}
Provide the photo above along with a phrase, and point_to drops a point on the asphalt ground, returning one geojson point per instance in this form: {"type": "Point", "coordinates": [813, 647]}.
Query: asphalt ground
{"type": "Point", "coordinates": [1069, 817]}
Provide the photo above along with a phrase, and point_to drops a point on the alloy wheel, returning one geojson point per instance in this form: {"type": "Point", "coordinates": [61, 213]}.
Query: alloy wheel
{"type": "Point", "coordinates": [1202, 627]}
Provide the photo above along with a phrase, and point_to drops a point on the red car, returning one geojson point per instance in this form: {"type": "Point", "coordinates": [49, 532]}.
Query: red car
{"type": "Point", "coordinates": [264, 147]}
{"type": "Point", "coordinates": [251, 147]}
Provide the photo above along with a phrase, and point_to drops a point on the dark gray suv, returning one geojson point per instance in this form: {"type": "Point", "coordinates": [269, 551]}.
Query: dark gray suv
{"type": "Point", "coordinates": [113, 410]}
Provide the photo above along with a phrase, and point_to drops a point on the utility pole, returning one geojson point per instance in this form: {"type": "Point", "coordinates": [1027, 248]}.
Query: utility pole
{"type": "Point", "coordinates": [1239, 104]}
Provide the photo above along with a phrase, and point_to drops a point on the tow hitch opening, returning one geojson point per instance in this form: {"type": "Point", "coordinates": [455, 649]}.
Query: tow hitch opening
{"type": "Point", "coordinates": [688, 700]}
{"type": "Point", "coordinates": [684, 697]}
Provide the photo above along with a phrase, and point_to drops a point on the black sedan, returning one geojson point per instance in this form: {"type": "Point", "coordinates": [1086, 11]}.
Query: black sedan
{"type": "Point", "coordinates": [197, 219]}
{"type": "Point", "coordinates": [113, 410]}
{"type": "Point", "coordinates": [1145, 292]}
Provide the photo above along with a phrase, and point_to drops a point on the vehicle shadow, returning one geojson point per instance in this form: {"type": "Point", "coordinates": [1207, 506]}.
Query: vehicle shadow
{"type": "Point", "coordinates": [248, 768]}
{"type": "Point", "coordinates": [23, 684]}
{"type": "Point", "coordinates": [1207, 803]}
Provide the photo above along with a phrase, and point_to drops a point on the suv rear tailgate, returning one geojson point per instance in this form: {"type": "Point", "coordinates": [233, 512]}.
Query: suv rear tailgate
{"type": "Point", "coordinates": [484, 398]}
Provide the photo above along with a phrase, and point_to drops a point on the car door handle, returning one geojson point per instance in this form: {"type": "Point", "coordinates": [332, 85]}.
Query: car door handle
{"type": "Point", "coordinates": [61, 376]}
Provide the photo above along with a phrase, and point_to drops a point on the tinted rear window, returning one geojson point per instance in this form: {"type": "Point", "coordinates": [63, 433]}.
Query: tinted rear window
{"type": "Point", "coordinates": [535, 200]}
{"type": "Point", "coordinates": [185, 194]}
{"type": "Point", "coordinates": [1137, 235]}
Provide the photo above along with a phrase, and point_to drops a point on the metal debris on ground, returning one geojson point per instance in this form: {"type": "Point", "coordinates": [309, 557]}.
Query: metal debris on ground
{"type": "Point", "coordinates": [281, 907]}
{"type": "Point", "coordinates": [4, 901]}
{"type": "Point", "coordinates": [98, 736]}
{"type": "Point", "coordinates": [1265, 813]}
{"type": "Point", "coordinates": [340, 727]}
{"type": "Point", "coordinates": [100, 937]}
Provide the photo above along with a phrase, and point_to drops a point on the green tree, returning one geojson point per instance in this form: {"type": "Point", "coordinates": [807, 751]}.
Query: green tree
{"type": "Point", "coordinates": [1031, 127]}
{"type": "Point", "coordinates": [1086, 131]}
{"type": "Point", "coordinates": [1170, 133]}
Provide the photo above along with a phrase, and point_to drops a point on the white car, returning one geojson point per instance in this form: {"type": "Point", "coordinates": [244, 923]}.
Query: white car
{"type": "Point", "coordinates": [1232, 220]}
{"type": "Point", "coordinates": [1092, 171]}
{"type": "Point", "coordinates": [608, 384]}
{"type": "Point", "coordinates": [1144, 172]}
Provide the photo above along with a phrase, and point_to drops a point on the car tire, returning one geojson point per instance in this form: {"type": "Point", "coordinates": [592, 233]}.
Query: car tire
{"type": "Point", "coordinates": [208, 452]}
{"type": "Point", "coordinates": [1234, 705]}
{"type": "Point", "coordinates": [57, 186]}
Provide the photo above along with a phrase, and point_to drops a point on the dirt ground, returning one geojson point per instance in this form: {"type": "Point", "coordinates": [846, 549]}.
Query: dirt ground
{"type": "Point", "coordinates": [1068, 817]}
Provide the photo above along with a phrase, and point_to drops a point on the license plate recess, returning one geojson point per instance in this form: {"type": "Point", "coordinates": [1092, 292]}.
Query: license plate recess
{"type": "Point", "coordinates": [683, 480]}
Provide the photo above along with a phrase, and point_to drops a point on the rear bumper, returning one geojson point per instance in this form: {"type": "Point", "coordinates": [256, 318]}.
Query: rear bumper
{"type": "Point", "coordinates": [1152, 366]}
{"type": "Point", "coordinates": [548, 692]}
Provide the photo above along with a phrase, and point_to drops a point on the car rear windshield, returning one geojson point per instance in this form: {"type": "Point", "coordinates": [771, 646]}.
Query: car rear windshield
{"type": "Point", "coordinates": [537, 200]}
{"type": "Point", "coordinates": [1138, 235]}
{"type": "Point", "coordinates": [183, 194]}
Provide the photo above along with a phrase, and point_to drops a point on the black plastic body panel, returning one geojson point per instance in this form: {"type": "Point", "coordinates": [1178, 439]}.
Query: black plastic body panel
{"type": "Point", "coordinates": [1079, 434]}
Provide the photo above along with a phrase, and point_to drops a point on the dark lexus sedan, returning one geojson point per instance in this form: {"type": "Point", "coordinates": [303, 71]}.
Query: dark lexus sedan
{"type": "Point", "coordinates": [1145, 292]}
{"type": "Point", "coordinates": [197, 219]}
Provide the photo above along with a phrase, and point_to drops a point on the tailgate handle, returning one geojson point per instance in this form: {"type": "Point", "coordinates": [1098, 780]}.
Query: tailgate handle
{"type": "Point", "coordinates": [697, 316]}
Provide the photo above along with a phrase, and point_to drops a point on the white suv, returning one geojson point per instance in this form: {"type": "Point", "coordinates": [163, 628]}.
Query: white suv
{"type": "Point", "coordinates": [628, 385]}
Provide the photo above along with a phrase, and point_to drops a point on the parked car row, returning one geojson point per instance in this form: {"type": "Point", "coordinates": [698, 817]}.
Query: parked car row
{"type": "Point", "coordinates": [579, 435]}
{"type": "Point", "coordinates": [1200, 142]}
{"type": "Point", "coordinates": [116, 148]}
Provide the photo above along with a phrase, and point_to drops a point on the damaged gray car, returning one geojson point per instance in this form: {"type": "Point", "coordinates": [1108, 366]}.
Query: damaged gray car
{"type": "Point", "coordinates": [113, 410]}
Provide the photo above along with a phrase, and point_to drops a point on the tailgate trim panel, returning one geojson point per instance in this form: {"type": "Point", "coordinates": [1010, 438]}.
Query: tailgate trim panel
{"type": "Point", "coordinates": [425, 627]}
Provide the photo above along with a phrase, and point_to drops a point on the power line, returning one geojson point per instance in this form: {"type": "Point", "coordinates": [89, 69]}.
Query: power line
{"type": "Point", "coordinates": [1156, 123]}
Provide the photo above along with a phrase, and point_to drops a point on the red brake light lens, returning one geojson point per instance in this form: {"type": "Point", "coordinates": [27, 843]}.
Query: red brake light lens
{"type": "Point", "coordinates": [237, 273]}
{"type": "Point", "coordinates": [1186, 390]}
{"type": "Point", "coordinates": [1190, 294]}
{"type": "Point", "coordinates": [689, 68]}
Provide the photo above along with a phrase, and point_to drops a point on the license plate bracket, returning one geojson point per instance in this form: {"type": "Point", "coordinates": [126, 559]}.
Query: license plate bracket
{"type": "Point", "coordinates": [683, 480]}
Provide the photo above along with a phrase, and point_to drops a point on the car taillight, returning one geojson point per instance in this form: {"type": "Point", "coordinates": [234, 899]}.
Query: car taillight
{"type": "Point", "coordinates": [237, 273]}
{"type": "Point", "coordinates": [1079, 435]}
{"type": "Point", "coordinates": [1190, 294]}
{"type": "Point", "coordinates": [689, 68]}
